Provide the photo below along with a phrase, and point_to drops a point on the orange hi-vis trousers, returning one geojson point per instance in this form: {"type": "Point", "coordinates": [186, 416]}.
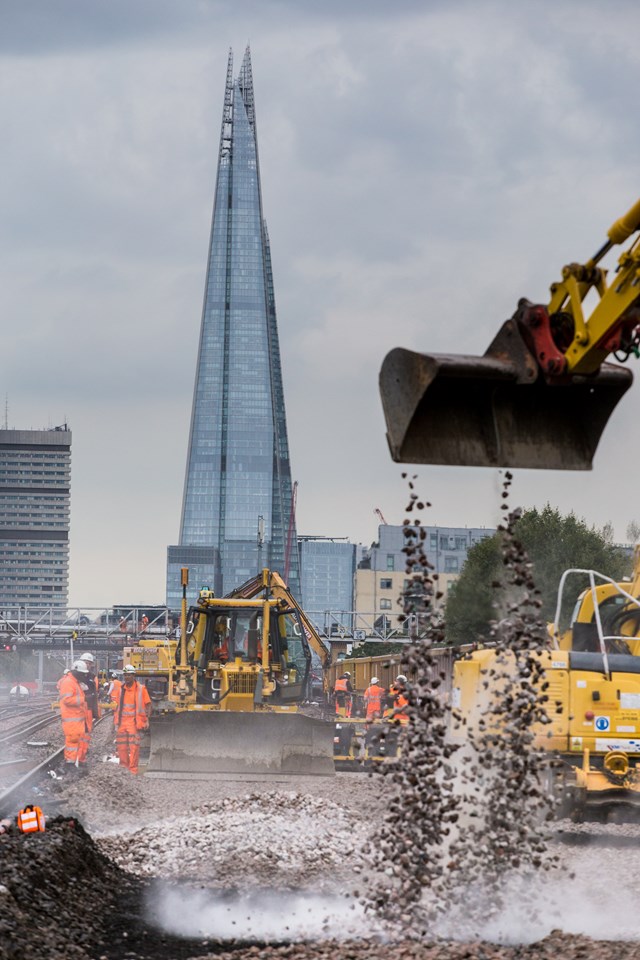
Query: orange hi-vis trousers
{"type": "Point", "coordinates": [131, 717]}
{"type": "Point", "coordinates": [128, 745]}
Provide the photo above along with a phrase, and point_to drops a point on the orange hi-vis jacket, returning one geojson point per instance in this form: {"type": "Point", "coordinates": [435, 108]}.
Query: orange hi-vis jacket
{"type": "Point", "coordinates": [401, 705]}
{"type": "Point", "coordinates": [31, 820]}
{"type": "Point", "coordinates": [341, 685]}
{"type": "Point", "coordinates": [398, 711]}
{"type": "Point", "coordinates": [130, 713]}
{"type": "Point", "coordinates": [114, 690]}
{"type": "Point", "coordinates": [221, 650]}
{"type": "Point", "coordinates": [73, 705]}
{"type": "Point", "coordinates": [373, 699]}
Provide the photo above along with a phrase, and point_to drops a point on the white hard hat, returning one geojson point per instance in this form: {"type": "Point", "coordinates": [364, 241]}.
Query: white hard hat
{"type": "Point", "coordinates": [80, 666]}
{"type": "Point", "coordinates": [347, 674]}
{"type": "Point", "coordinates": [401, 678]}
{"type": "Point", "coordinates": [89, 657]}
{"type": "Point", "coordinates": [375, 680]}
{"type": "Point", "coordinates": [129, 668]}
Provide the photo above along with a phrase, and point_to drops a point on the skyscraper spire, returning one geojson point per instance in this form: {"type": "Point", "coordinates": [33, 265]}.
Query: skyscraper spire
{"type": "Point", "coordinates": [245, 81]}
{"type": "Point", "coordinates": [238, 472]}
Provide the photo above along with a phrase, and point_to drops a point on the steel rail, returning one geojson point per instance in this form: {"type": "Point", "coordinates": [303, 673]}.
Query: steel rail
{"type": "Point", "coordinates": [30, 727]}
{"type": "Point", "coordinates": [13, 798]}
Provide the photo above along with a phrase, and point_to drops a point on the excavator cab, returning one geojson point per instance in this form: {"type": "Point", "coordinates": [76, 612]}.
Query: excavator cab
{"type": "Point", "coordinates": [542, 394]}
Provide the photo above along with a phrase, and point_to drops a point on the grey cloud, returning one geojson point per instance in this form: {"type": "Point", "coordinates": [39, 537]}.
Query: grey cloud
{"type": "Point", "coordinates": [42, 27]}
{"type": "Point", "coordinates": [422, 169]}
{"type": "Point", "coordinates": [38, 26]}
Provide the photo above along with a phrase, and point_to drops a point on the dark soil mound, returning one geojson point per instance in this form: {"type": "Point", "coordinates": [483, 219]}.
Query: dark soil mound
{"type": "Point", "coordinates": [56, 889]}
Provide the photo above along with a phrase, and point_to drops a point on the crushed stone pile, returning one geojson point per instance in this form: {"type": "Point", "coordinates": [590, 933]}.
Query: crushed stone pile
{"type": "Point", "coordinates": [62, 899]}
{"type": "Point", "coordinates": [54, 887]}
{"type": "Point", "coordinates": [555, 946]}
{"type": "Point", "coordinates": [286, 839]}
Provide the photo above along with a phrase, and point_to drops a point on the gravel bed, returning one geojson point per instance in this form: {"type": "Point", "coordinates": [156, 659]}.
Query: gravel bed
{"type": "Point", "coordinates": [283, 839]}
{"type": "Point", "coordinates": [163, 854]}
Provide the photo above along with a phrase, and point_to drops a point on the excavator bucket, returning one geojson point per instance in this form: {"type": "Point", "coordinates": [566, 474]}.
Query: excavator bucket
{"type": "Point", "coordinates": [495, 410]}
{"type": "Point", "coordinates": [256, 744]}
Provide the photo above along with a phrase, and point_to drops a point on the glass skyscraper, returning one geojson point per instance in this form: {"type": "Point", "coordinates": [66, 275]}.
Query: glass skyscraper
{"type": "Point", "coordinates": [237, 514]}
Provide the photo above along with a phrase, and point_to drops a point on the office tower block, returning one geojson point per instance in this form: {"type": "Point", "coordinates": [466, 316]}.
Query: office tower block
{"type": "Point", "coordinates": [35, 476]}
{"type": "Point", "coordinates": [237, 510]}
{"type": "Point", "coordinates": [327, 571]}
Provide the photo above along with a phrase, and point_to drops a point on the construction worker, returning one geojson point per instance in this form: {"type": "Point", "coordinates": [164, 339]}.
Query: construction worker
{"type": "Point", "coordinates": [144, 623]}
{"type": "Point", "coordinates": [398, 701]}
{"type": "Point", "coordinates": [133, 709]}
{"type": "Point", "coordinates": [221, 642]}
{"type": "Point", "coordinates": [94, 686]}
{"type": "Point", "coordinates": [113, 692]}
{"type": "Point", "coordinates": [91, 695]}
{"type": "Point", "coordinates": [58, 682]}
{"type": "Point", "coordinates": [373, 697]}
{"type": "Point", "coordinates": [73, 712]}
{"type": "Point", "coordinates": [343, 693]}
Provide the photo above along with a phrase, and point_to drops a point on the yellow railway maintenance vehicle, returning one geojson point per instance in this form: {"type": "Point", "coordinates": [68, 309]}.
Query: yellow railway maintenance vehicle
{"type": "Point", "coordinates": [542, 393]}
{"type": "Point", "coordinates": [228, 695]}
{"type": "Point", "coordinates": [357, 742]}
{"type": "Point", "coordinates": [593, 673]}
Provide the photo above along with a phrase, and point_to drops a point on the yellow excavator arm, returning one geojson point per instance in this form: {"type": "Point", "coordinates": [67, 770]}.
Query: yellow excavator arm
{"type": "Point", "coordinates": [542, 393]}
{"type": "Point", "coordinates": [613, 322]}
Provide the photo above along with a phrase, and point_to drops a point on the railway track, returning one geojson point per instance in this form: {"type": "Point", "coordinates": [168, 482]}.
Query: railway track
{"type": "Point", "coordinates": [31, 725]}
{"type": "Point", "coordinates": [12, 710]}
{"type": "Point", "coordinates": [13, 797]}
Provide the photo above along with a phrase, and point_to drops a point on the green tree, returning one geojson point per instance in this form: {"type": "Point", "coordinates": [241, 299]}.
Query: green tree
{"type": "Point", "coordinates": [554, 543]}
{"type": "Point", "coordinates": [471, 601]}
{"type": "Point", "coordinates": [633, 531]}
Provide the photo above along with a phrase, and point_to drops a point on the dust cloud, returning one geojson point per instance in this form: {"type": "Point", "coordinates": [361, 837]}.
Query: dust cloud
{"type": "Point", "coordinates": [257, 915]}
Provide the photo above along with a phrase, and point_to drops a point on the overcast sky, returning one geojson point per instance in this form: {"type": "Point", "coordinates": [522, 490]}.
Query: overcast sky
{"type": "Point", "coordinates": [424, 165]}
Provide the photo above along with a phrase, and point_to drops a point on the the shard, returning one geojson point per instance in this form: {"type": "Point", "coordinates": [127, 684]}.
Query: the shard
{"type": "Point", "coordinates": [237, 510]}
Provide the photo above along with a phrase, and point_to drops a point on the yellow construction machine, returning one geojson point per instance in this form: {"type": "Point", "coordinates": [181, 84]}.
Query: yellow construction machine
{"type": "Point", "coordinates": [542, 393]}
{"type": "Point", "coordinates": [228, 694]}
{"type": "Point", "coordinates": [592, 685]}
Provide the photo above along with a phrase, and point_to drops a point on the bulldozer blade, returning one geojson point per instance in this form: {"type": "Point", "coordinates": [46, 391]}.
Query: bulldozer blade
{"type": "Point", "coordinates": [495, 410]}
{"type": "Point", "coordinates": [219, 742]}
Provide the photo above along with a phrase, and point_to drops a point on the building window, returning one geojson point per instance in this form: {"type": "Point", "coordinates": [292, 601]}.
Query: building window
{"type": "Point", "coordinates": [444, 543]}
{"type": "Point", "coordinates": [391, 562]}
{"type": "Point", "coordinates": [385, 604]}
{"type": "Point", "coordinates": [433, 541]}
{"type": "Point", "coordinates": [461, 543]}
{"type": "Point", "coordinates": [450, 564]}
{"type": "Point", "coordinates": [386, 584]}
